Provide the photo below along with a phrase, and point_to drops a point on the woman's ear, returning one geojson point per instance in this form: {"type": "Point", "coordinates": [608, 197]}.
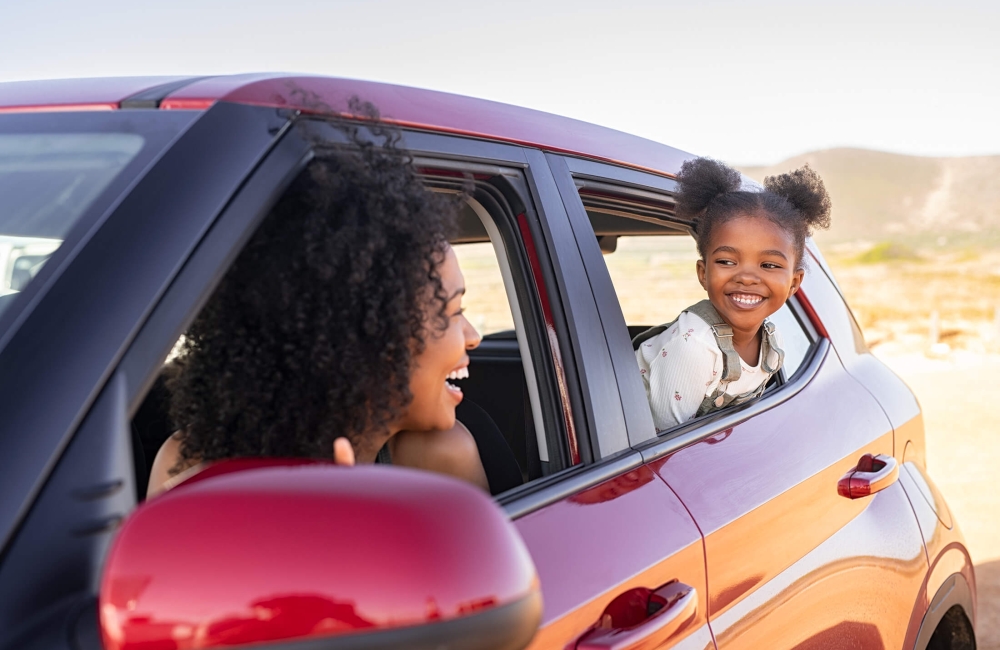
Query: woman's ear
{"type": "Point", "coordinates": [700, 266]}
{"type": "Point", "coordinates": [796, 281]}
{"type": "Point", "coordinates": [343, 452]}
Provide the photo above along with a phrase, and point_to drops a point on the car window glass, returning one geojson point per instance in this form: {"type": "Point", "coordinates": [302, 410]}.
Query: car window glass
{"type": "Point", "coordinates": [794, 338]}
{"type": "Point", "coordinates": [47, 181]}
{"type": "Point", "coordinates": [654, 276]}
{"type": "Point", "coordinates": [485, 300]}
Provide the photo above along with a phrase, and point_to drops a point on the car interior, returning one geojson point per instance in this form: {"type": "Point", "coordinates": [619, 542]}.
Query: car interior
{"type": "Point", "coordinates": [502, 401]}
{"type": "Point", "coordinates": [650, 257]}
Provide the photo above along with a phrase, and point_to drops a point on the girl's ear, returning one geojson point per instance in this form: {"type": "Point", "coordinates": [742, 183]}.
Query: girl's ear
{"type": "Point", "coordinates": [701, 274]}
{"type": "Point", "coordinates": [796, 281]}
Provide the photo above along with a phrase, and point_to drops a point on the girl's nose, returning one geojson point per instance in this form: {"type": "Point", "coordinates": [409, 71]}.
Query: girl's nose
{"type": "Point", "coordinates": [472, 337]}
{"type": "Point", "coordinates": [747, 276]}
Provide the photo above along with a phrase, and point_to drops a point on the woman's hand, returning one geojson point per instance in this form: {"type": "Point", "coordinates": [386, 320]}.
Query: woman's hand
{"type": "Point", "coordinates": [343, 452]}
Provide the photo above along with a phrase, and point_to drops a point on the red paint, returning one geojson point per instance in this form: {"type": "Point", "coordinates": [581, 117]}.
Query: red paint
{"type": "Point", "coordinates": [550, 330]}
{"type": "Point", "coordinates": [765, 495]}
{"type": "Point", "coordinates": [873, 474]}
{"type": "Point", "coordinates": [436, 111]}
{"type": "Point", "coordinates": [643, 618]}
{"type": "Point", "coordinates": [74, 94]}
{"type": "Point", "coordinates": [811, 314]}
{"type": "Point", "coordinates": [626, 534]}
{"type": "Point", "coordinates": [261, 552]}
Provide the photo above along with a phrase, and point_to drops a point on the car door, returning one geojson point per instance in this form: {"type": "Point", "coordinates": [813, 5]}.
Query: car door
{"type": "Point", "coordinates": [791, 562]}
{"type": "Point", "coordinates": [67, 465]}
{"type": "Point", "coordinates": [619, 559]}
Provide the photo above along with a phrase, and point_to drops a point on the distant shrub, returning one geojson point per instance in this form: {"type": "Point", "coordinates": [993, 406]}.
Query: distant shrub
{"type": "Point", "coordinates": [888, 252]}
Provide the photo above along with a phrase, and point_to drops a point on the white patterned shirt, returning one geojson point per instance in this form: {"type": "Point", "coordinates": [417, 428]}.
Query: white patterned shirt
{"type": "Point", "coordinates": [683, 365]}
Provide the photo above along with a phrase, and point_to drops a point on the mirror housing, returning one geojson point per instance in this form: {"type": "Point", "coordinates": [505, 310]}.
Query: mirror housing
{"type": "Point", "coordinates": [301, 553]}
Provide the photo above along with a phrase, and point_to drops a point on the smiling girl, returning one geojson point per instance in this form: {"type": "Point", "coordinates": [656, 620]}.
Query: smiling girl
{"type": "Point", "coordinates": [722, 351]}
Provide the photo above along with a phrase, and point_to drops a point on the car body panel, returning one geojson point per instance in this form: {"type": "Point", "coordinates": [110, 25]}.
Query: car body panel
{"type": "Point", "coordinates": [764, 495]}
{"type": "Point", "coordinates": [627, 532]}
{"type": "Point", "coordinates": [435, 111]}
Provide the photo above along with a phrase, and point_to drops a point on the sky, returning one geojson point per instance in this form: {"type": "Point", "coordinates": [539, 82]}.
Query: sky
{"type": "Point", "coordinates": [749, 83]}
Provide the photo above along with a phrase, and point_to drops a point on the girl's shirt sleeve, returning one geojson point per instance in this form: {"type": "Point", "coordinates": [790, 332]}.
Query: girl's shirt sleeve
{"type": "Point", "coordinates": [679, 367]}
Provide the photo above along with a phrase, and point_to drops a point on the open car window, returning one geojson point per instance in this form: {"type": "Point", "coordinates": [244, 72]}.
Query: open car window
{"type": "Point", "coordinates": [651, 259]}
{"type": "Point", "coordinates": [519, 435]}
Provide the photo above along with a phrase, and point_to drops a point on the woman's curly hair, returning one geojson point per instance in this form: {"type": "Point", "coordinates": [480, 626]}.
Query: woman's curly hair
{"type": "Point", "coordinates": [710, 194]}
{"type": "Point", "coordinates": [311, 333]}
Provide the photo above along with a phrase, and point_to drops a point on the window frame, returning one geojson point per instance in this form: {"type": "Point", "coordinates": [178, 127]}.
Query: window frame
{"type": "Point", "coordinates": [638, 184]}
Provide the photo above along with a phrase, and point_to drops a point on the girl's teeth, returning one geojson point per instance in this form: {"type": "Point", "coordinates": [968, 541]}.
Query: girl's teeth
{"type": "Point", "coordinates": [746, 300]}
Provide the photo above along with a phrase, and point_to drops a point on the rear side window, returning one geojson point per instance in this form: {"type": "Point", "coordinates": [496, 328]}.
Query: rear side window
{"type": "Point", "coordinates": [47, 181]}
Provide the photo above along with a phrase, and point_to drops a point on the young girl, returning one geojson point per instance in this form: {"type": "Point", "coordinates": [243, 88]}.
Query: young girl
{"type": "Point", "coordinates": [722, 351]}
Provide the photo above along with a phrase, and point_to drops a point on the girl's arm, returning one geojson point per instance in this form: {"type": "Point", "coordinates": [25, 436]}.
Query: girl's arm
{"type": "Point", "coordinates": [678, 373]}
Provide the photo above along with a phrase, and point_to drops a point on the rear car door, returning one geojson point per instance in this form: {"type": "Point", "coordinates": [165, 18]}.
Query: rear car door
{"type": "Point", "coordinates": [791, 563]}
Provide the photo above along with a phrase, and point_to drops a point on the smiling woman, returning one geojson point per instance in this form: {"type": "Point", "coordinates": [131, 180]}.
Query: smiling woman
{"type": "Point", "coordinates": [337, 328]}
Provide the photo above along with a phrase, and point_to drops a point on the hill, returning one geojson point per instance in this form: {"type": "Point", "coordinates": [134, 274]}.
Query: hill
{"type": "Point", "coordinates": [879, 196]}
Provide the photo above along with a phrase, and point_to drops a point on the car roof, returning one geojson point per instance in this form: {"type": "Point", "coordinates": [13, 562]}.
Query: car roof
{"type": "Point", "coordinates": [401, 105]}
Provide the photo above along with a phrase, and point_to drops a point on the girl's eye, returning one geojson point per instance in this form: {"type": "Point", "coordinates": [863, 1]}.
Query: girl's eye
{"type": "Point", "coordinates": [770, 265]}
{"type": "Point", "coordinates": [458, 313]}
{"type": "Point", "coordinates": [725, 262]}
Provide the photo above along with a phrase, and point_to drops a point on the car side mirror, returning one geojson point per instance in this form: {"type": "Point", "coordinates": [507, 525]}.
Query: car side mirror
{"type": "Point", "coordinates": [284, 551]}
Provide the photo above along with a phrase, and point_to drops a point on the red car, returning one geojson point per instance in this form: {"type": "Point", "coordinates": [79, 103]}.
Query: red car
{"type": "Point", "coordinates": [804, 519]}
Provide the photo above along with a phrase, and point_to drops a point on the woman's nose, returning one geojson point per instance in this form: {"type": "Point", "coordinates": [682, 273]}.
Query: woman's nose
{"type": "Point", "coordinates": [472, 337]}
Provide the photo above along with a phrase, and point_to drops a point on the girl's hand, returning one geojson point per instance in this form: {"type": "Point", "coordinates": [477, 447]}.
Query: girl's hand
{"type": "Point", "coordinates": [343, 452]}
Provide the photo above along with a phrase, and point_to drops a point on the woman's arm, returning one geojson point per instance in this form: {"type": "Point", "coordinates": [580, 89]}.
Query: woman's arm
{"type": "Point", "coordinates": [452, 452]}
{"type": "Point", "coordinates": [161, 477]}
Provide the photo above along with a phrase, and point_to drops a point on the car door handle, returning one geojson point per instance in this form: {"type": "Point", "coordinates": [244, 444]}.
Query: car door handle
{"type": "Point", "coordinates": [642, 618]}
{"type": "Point", "coordinates": [873, 474]}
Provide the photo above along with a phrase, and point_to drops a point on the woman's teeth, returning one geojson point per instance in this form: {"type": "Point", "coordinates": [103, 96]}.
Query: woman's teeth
{"type": "Point", "coordinates": [745, 299]}
{"type": "Point", "coordinates": [461, 373]}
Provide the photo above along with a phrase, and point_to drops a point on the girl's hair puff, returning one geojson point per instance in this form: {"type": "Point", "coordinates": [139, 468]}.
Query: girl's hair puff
{"type": "Point", "coordinates": [711, 194]}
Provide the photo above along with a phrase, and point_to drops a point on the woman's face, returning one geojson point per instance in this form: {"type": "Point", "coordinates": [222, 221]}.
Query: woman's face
{"type": "Point", "coordinates": [443, 358]}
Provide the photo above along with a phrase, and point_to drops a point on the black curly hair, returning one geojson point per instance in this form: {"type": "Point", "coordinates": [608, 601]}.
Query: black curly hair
{"type": "Point", "coordinates": [710, 194]}
{"type": "Point", "coordinates": [311, 333]}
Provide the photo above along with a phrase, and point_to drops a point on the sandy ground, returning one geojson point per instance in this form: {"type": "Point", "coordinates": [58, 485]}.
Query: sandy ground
{"type": "Point", "coordinates": [962, 417]}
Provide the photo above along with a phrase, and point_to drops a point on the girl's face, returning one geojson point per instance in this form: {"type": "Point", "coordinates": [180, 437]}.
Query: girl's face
{"type": "Point", "coordinates": [444, 356]}
{"type": "Point", "coordinates": [749, 271]}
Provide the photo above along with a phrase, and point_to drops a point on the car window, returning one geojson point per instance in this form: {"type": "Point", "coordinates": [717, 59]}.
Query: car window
{"type": "Point", "coordinates": [486, 299]}
{"type": "Point", "coordinates": [651, 260]}
{"type": "Point", "coordinates": [503, 393]}
{"type": "Point", "coordinates": [654, 276]}
{"type": "Point", "coordinates": [795, 339]}
{"type": "Point", "coordinates": [47, 181]}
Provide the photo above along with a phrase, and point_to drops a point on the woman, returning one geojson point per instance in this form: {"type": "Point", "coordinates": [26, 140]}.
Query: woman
{"type": "Point", "coordinates": [335, 331]}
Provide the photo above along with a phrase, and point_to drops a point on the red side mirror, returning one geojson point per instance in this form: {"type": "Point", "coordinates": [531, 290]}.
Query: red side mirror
{"type": "Point", "coordinates": [259, 551]}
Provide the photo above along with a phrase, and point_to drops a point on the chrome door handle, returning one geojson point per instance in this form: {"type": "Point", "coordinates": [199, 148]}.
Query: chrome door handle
{"type": "Point", "coordinates": [666, 610]}
{"type": "Point", "coordinates": [873, 474]}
